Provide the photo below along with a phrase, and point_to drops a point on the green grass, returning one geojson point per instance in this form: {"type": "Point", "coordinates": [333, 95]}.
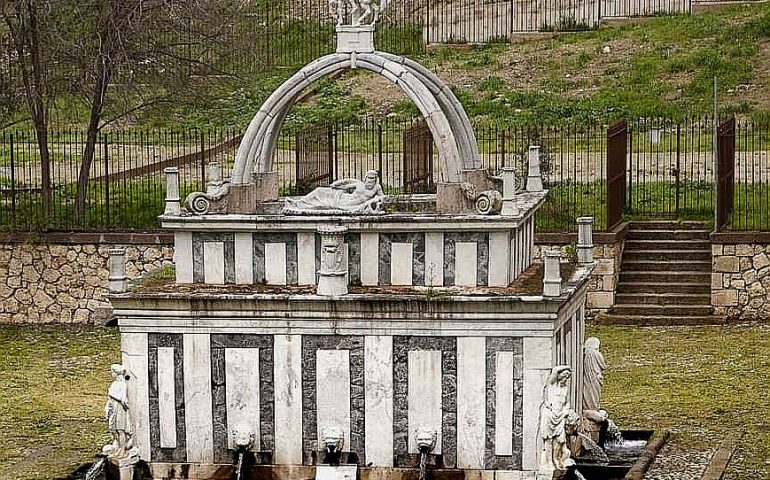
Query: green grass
{"type": "Point", "coordinates": [53, 382]}
{"type": "Point", "coordinates": [702, 383]}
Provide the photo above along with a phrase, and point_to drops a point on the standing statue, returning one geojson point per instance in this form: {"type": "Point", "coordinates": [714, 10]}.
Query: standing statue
{"type": "Point", "coordinates": [118, 416]}
{"type": "Point", "coordinates": [554, 412]}
{"type": "Point", "coordinates": [341, 197]}
{"type": "Point", "coordinates": [362, 12]}
{"type": "Point", "coordinates": [593, 379]}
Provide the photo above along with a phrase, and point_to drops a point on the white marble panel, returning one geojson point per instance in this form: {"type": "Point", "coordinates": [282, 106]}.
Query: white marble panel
{"type": "Point", "coordinates": [499, 258]}
{"type": "Point", "coordinates": [197, 398]}
{"type": "Point", "coordinates": [466, 264]}
{"type": "Point", "coordinates": [504, 403]}
{"type": "Point", "coordinates": [133, 347]}
{"type": "Point", "coordinates": [537, 352]}
{"type": "Point", "coordinates": [370, 258]}
{"type": "Point", "coordinates": [306, 258]}
{"type": "Point", "coordinates": [287, 352]}
{"type": "Point", "coordinates": [244, 258]}
{"type": "Point", "coordinates": [275, 263]}
{"type": "Point", "coordinates": [471, 402]}
{"type": "Point", "coordinates": [341, 472]}
{"type": "Point", "coordinates": [242, 392]}
{"type": "Point", "coordinates": [434, 259]}
{"type": "Point", "coordinates": [378, 394]}
{"type": "Point", "coordinates": [424, 397]}
{"type": "Point", "coordinates": [333, 391]}
{"type": "Point", "coordinates": [214, 263]}
{"type": "Point", "coordinates": [166, 397]}
{"type": "Point", "coordinates": [532, 397]}
{"type": "Point", "coordinates": [401, 263]}
{"type": "Point", "coordinates": [183, 261]}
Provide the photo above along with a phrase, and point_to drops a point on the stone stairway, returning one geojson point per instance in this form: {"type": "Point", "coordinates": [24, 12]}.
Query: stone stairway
{"type": "Point", "coordinates": [665, 276]}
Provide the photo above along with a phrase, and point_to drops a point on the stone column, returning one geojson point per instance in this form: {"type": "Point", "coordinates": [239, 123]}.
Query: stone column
{"type": "Point", "coordinates": [534, 180]}
{"type": "Point", "coordinates": [332, 279]}
{"type": "Point", "coordinates": [585, 242]}
{"type": "Point", "coordinates": [509, 192]}
{"type": "Point", "coordinates": [173, 207]}
{"type": "Point", "coordinates": [117, 267]}
{"type": "Point", "coordinates": [551, 274]}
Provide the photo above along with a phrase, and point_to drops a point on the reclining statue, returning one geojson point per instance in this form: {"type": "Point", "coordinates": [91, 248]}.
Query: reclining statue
{"type": "Point", "coordinates": [341, 197]}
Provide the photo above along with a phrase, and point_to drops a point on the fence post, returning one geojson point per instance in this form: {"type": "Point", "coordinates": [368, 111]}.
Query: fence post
{"type": "Point", "coordinates": [297, 169]}
{"type": "Point", "coordinates": [13, 181]}
{"type": "Point", "coordinates": [379, 150]}
{"type": "Point", "coordinates": [106, 181]}
{"type": "Point", "coordinates": [203, 162]}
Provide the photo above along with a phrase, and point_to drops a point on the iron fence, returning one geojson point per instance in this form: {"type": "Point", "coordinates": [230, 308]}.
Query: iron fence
{"type": "Point", "coordinates": [668, 171]}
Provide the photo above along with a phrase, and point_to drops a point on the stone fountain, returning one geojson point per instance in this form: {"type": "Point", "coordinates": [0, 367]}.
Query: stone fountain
{"type": "Point", "coordinates": [340, 327]}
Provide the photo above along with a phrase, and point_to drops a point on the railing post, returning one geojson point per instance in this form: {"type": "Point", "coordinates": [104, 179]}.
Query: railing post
{"type": "Point", "coordinates": [551, 274]}
{"type": "Point", "coordinates": [203, 162]}
{"type": "Point", "coordinates": [13, 180]}
{"type": "Point", "coordinates": [173, 206]}
{"type": "Point", "coordinates": [534, 179]}
{"type": "Point", "coordinates": [585, 242]}
{"type": "Point", "coordinates": [118, 282]}
{"type": "Point", "coordinates": [106, 180]}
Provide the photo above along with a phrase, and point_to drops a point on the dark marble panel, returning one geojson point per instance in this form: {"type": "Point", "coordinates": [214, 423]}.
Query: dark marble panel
{"type": "Point", "coordinates": [417, 239]}
{"type": "Point", "coordinates": [219, 388]}
{"type": "Point", "coordinates": [354, 258]}
{"type": "Point", "coordinates": [402, 345]}
{"type": "Point", "coordinates": [482, 255]}
{"type": "Point", "coordinates": [157, 454]}
{"type": "Point", "coordinates": [495, 345]}
{"type": "Point", "coordinates": [355, 347]}
{"type": "Point", "coordinates": [228, 241]}
{"type": "Point", "coordinates": [290, 240]}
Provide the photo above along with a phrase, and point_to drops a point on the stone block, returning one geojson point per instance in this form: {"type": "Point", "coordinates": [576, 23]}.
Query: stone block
{"type": "Point", "coordinates": [450, 199]}
{"type": "Point", "coordinates": [716, 281]}
{"type": "Point", "coordinates": [600, 299]}
{"type": "Point", "coordinates": [726, 264]}
{"type": "Point", "coordinates": [608, 282]}
{"type": "Point", "coordinates": [604, 266]}
{"type": "Point", "coordinates": [756, 289]}
{"type": "Point", "coordinates": [760, 261]}
{"type": "Point", "coordinates": [716, 249]}
{"type": "Point", "coordinates": [744, 250]}
{"type": "Point", "coordinates": [724, 298]}
{"type": "Point", "coordinates": [479, 178]}
{"type": "Point", "coordinates": [729, 250]}
{"type": "Point", "coordinates": [744, 263]}
{"type": "Point", "coordinates": [242, 199]}
{"type": "Point", "coordinates": [749, 276]}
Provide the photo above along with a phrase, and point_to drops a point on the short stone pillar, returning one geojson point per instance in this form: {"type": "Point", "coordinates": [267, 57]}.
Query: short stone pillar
{"type": "Point", "coordinates": [509, 192]}
{"type": "Point", "coordinates": [173, 207]}
{"type": "Point", "coordinates": [118, 281]}
{"type": "Point", "coordinates": [585, 242]}
{"type": "Point", "coordinates": [534, 180]}
{"type": "Point", "coordinates": [551, 274]}
{"type": "Point", "coordinates": [333, 275]}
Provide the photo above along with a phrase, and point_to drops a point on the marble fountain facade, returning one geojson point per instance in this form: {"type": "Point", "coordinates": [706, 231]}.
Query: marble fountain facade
{"type": "Point", "coordinates": [281, 324]}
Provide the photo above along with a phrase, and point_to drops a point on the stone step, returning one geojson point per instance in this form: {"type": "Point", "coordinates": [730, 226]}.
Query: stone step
{"type": "Point", "coordinates": [661, 310]}
{"type": "Point", "coordinates": [646, 245]}
{"type": "Point", "coordinates": [670, 277]}
{"type": "Point", "coordinates": [651, 320]}
{"type": "Point", "coordinates": [667, 225]}
{"type": "Point", "coordinates": [639, 298]}
{"type": "Point", "coordinates": [668, 235]}
{"type": "Point", "coordinates": [658, 265]}
{"type": "Point", "coordinates": [652, 287]}
{"type": "Point", "coordinates": [664, 255]}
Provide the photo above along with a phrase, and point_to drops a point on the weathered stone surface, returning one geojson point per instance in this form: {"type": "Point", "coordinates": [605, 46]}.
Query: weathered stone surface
{"type": "Point", "coordinates": [760, 261]}
{"type": "Point", "coordinates": [726, 264]}
{"type": "Point", "coordinates": [51, 283]}
{"type": "Point", "coordinates": [725, 298]}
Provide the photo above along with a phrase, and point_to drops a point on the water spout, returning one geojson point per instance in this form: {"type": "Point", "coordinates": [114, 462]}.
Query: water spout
{"type": "Point", "coordinates": [426, 441]}
{"type": "Point", "coordinates": [239, 464]}
{"type": "Point", "coordinates": [95, 470]}
{"type": "Point", "coordinates": [423, 463]}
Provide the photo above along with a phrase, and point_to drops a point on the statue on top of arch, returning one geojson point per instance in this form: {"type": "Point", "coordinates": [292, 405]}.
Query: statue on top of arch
{"type": "Point", "coordinates": [360, 12]}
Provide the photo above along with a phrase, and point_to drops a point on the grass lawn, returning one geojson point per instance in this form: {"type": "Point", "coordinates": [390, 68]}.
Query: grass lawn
{"type": "Point", "coordinates": [699, 382]}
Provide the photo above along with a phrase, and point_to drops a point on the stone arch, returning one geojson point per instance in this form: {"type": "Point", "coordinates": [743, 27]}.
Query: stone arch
{"type": "Point", "coordinates": [443, 113]}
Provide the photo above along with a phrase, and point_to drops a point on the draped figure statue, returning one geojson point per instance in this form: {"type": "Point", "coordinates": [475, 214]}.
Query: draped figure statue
{"type": "Point", "coordinates": [593, 378]}
{"type": "Point", "coordinates": [343, 196]}
{"type": "Point", "coordinates": [554, 412]}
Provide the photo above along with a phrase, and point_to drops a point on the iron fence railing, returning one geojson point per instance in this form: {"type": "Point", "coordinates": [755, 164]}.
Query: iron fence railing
{"type": "Point", "coordinates": [669, 169]}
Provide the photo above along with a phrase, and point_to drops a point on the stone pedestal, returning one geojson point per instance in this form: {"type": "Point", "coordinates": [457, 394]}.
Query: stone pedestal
{"type": "Point", "coordinates": [118, 280]}
{"type": "Point", "coordinates": [359, 39]}
{"type": "Point", "coordinates": [173, 207]}
{"type": "Point", "coordinates": [551, 274]}
{"type": "Point", "coordinates": [123, 468]}
{"type": "Point", "coordinates": [333, 275]}
{"type": "Point", "coordinates": [509, 192]}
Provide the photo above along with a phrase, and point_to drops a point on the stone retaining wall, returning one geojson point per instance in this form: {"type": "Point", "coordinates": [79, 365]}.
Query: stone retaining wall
{"type": "Point", "coordinates": [740, 278]}
{"type": "Point", "coordinates": [64, 281]}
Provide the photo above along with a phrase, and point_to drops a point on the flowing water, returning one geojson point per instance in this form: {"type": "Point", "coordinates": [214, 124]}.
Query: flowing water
{"type": "Point", "coordinates": [423, 465]}
{"type": "Point", "coordinates": [95, 470]}
{"type": "Point", "coordinates": [239, 466]}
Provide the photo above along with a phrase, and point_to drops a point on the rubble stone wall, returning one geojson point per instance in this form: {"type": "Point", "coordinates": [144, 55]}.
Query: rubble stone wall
{"type": "Point", "coordinates": [740, 280]}
{"type": "Point", "coordinates": [65, 281]}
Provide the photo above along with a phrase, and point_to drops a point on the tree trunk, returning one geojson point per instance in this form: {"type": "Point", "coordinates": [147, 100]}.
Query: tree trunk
{"type": "Point", "coordinates": [97, 104]}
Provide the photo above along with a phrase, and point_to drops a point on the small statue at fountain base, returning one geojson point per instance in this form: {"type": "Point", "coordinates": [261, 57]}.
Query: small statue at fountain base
{"type": "Point", "coordinates": [121, 453]}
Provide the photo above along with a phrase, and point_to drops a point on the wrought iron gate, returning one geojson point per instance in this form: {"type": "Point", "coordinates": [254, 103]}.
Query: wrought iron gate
{"type": "Point", "coordinates": [725, 171]}
{"type": "Point", "coordinates": [314, 158]}
{"type": "Point", "coordinates": [418, 158]}
{"type": "Point", "coordinates": [617, 150]}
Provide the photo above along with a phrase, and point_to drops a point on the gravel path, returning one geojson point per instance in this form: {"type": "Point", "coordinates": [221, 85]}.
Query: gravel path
{"type": "Point", "coordinates": [672, 465]}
